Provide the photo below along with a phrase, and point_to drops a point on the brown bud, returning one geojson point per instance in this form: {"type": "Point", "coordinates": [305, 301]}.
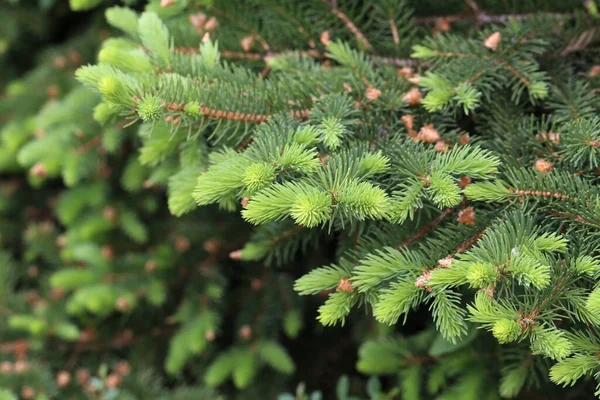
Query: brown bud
{"type": "Point", "coordinates": [20, 351]}
{"type": "Point", "coordinates": [210, 335]}
{"type": "Point", "coordinates": [211, 24]}
{"type": "Point", "coordinates": [466, 216]}
{"type": "Point", "coordinates": [441, 147]}
{"type": "Point", "coordinates": [236, 255]}
{"type": "Point", "coordinates": [182, 244]}
{"type": "Point", "coordinates": [107, 252]}
{"type": "Point", "coordinates": [325, 38]}
{"type": "Point", "coordinates": [205, 268]}
{"type": "Point", "coordinates": [245, 201]}
{"type": "Point", "coordinates": [488, 290]}
{"type": "Point", "coordinates": [63, 378]}
{"type": "Point", "coordinates": [256, 284]}
{"type": "Point", "coordinates": [445, 262]}
{"type": "Point", "coordinates": [40, 305]}
{"type": "Point", "coordinates": [110, 213]}
{"type": "Point", "coordinates": [247, 42]}
{"type": "Point", "coordinates": [6, 368]}
{"type": "Point", "coordinates": [464, 181]}
{"type": "Point", "coordinates": [442, 24]}
{"type": "Point", "coordinates": [594, 71]}
{"type": "Point", "coordinates": [554, 137]}
{"type": "Point", "coordinates": [166, 3]}
{"type": "Point", "coordinates": [405, 72]}
{"type": "Point", "coordinates": [53, 91]}
{"type": "Point", "coordinates": [245, 332]}
{"type": "Point", "coordinates": [150, 266]}
{"type": "Point", "coordinates": [39, 133]}
{"type": "Point", "coordinates": [548, 137]}
{"type": "Point", "coordinates": [464, 139]}
{"type": "Point", "coordinates": [57, 293]}
{"type": "Point", "coordinates": [21, 366]}
{"type": "Point", "coordinates": [27, 392]}
{"type": "Point", "coordinates": [544, 166]}
{"type": "Point", "coordinates": [347, 88]}
{"type": "Point", "coordinates": [88, 335]}
{"type": "Point", "coordinates": [206, 37]}
{"type": "Point", "coordinates": [46, 226]}
{"type": "Point", "coordinates": [31, 296]}
{"type": "Point", "coordinates": [211, 246]}
{"type": "Point", "coordinates": [412, 97]}
{"type": "Point", "coordinates": [33, 271]}
{"type": "Point", "coordinates": [122, 304]}
{"type": "Point", "coordinates": [428, 134]}
{"type": "Point", "coordinates": [198, 20]}
{"type": "Point", "coordinates": [415, 79]}
{"type": "Point", "coordinates": [372, 93]}
{"type": "Point", "coordinates": [423, 279]}
{"type": "Point", "coordinates": [75, 57]}
{"type": "Point", "coordinates": [124, 336]}
{"type": "Point", "coordinates": [493, 41]}
{"type": "Point", "coordinates": [38, 170]}
{"type": "Point", "coordinates": [113, 381]}
{"type": "Point", "coordinates": [409, 121]}
{"type": "Point", "coordinates": [344, 285]}
{"type": "Point", "coordinates": [83, 376]}
{"type": "Point", "coordinates": [60, 62]}
{"type": "Point", "coordinates": [123, 368]}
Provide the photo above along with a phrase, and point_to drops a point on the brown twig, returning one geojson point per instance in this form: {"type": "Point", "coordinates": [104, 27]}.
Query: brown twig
{"type": "Point", "coordinates": [234, 115]}
{"type": "Point", "coordinates": [394, 30]}
{"type": "Point", "coordinates": [351, 26]}
{"type": "Point", "coordinates": [396, 62]}
{"type": "Point", "coordinates": [286, 234]}
{"type": "Point", "coordinates": [316, 54]}
{"type": "Point", "coordinates": [470, 242]}
{"type": "Point", "coordinates": [580, 42]}
{"type": "Point", "coordinates": [297, 24]}
{"type": "Point", "coordinates": [488, 19]}
{"type": "Point", "coordinates": [18, 348]}
{"type": "Point", "coordinates": [240, 23]}
{"type": "Point", "coordinates": [515, 72]}
{"type": "Point", "coordinates": [426, 229]}
{"type": "Point", "coordinates": [89, 145]}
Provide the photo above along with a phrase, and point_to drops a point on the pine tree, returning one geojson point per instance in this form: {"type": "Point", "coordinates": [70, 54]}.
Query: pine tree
{"type": "Point", "coordinates": [420, 176]}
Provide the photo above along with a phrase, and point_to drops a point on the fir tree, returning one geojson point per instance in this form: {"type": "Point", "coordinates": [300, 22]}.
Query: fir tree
{"type": "Point", "coordinates": [217, 160]}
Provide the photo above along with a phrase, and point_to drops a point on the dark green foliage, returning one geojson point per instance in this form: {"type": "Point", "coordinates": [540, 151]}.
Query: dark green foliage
{"type": "Point", "coordinates": [178, 174]}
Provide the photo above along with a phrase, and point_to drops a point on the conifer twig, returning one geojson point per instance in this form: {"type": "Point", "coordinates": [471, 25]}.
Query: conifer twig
{"type": "Point", "coordinates": [243, 25]}
{"type": "Point", "coordinates": [470, 242]}
{"type": "Point", "coordinates": [426, 229]}
{"type": "Point", "coordinates": [313, 53]}
{"type": "Point", "coordinates": [297, 24]}
{"type": "Point", "coordinates": [489, 18]}
{"type": "Point", "coordinates": [350, 25]}
{"type": "Point", "coordinates": [394, 30]}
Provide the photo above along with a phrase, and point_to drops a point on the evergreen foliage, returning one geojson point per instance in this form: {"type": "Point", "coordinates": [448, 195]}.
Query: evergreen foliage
{"type": "Point", "coordinates": [221, 199]}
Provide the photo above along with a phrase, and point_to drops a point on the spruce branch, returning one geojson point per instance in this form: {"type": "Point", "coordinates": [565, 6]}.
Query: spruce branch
{"type": "Point", "coordinates": [360, 37]}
